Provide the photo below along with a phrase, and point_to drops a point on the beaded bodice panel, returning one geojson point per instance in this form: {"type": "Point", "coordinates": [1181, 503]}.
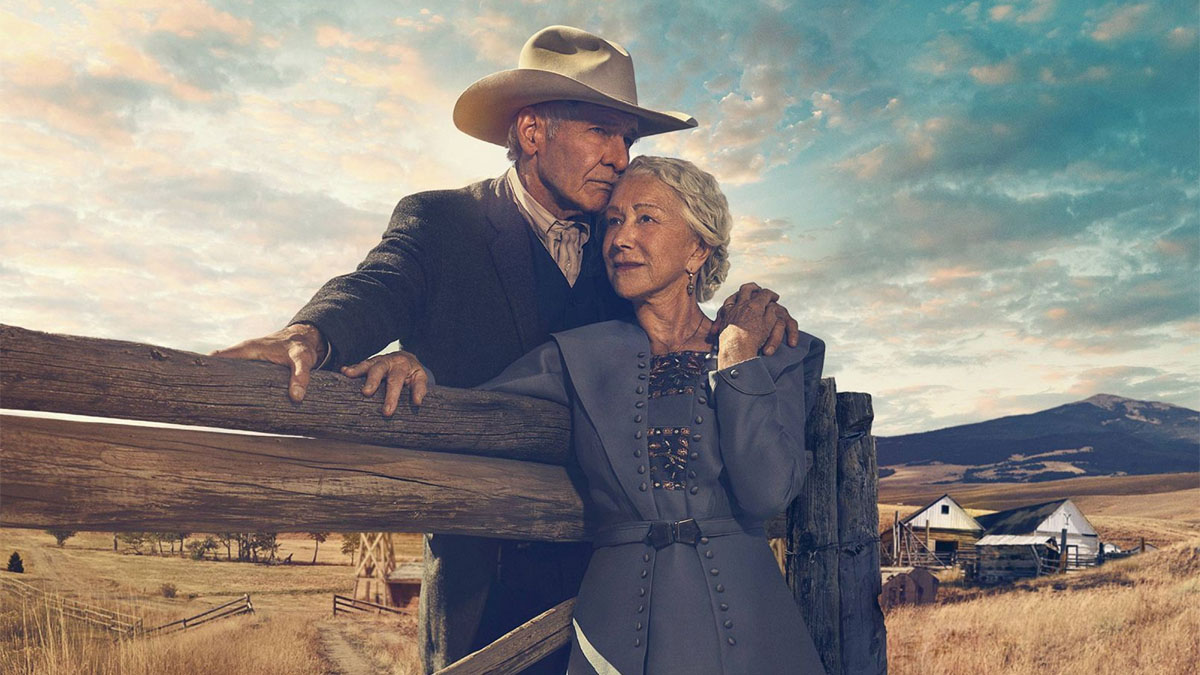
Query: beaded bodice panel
{"type": "Point", "coordinates": [669, 447]}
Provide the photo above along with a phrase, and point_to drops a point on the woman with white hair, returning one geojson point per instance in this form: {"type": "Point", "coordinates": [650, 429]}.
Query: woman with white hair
{"type": "Point", "coordinates": [686, 447]}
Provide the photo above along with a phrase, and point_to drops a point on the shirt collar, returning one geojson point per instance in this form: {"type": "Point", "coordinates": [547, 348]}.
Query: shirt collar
{"type": "Point", "coordinates": [535, 213]}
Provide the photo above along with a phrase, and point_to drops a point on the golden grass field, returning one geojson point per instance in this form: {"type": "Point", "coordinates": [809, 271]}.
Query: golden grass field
{"type": "Point", "coordinates": [1131, 616]}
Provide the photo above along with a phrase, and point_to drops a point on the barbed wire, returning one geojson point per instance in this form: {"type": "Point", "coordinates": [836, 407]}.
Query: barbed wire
{"type": "Point", "coordinates": [850, 549]}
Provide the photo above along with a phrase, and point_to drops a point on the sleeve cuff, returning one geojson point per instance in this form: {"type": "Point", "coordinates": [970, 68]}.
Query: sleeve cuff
{"type": "Point", "coordinates": [749, 377]}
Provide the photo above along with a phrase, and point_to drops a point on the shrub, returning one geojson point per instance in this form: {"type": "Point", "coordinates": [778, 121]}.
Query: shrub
{"type": "Point", "coordinates": [61, 536]}
{"type": "Point", "coordinates": [15, 564]}
{"type": "Point", "coordinates": [168, 590]}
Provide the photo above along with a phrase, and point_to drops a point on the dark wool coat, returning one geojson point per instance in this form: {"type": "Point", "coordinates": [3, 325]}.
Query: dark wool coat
{"type": "Point", "coordinates": [461, 282]}
{"type": "Point", "coordinates": [749, 461]}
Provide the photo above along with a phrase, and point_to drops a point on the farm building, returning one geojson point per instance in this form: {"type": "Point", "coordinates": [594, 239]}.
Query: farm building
{"type": "Point", "coordinates": [1048, 519]}
{"type": "Point", "coordinates": [940, 533]}
{"type": "Point", "coordinates": [1007, 557]}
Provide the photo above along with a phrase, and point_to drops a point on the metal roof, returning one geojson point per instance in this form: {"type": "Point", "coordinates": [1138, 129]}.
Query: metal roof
{"type": "Point", "coordinates": [1014, 540]}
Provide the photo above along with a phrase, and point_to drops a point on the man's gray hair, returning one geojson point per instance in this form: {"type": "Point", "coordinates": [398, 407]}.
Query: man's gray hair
{"type": "Point", "coordinates": [705, 210]}
{"type": "Point", "coordinates": [553, 112]}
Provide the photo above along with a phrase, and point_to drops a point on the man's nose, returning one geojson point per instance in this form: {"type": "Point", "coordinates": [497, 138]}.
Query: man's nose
{"type": "Point", "coordinates": [617, 153]}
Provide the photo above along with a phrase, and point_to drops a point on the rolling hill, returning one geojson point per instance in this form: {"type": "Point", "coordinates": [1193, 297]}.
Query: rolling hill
{"type": "Point", "coordinates": [1102, 435]}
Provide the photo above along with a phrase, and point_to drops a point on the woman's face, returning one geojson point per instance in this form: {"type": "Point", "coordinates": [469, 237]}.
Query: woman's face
{"type": "Point", "coordinates": [648, 246]}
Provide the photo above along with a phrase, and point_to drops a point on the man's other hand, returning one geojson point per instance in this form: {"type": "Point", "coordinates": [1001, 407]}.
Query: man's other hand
{"type": "Point", "coordinates": [784, 323]}
{"type": "Point", "coordinates": [400, 369]}
{"type": "Point", "coordinates": [300, 346]}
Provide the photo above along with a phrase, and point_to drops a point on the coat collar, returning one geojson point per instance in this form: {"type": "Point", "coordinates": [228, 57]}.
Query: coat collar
{"type": "Point", "coordinates": [509, 247]}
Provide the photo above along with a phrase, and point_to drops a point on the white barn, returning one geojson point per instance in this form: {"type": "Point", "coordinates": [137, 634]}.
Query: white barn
{"type": "Point", "coordinates": [942, 528]}
{"type": "Point", "coordinates": [1042, 521]}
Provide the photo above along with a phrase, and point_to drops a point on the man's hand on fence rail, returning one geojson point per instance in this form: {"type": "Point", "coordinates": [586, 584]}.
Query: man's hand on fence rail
{"type": "Point", "coordinates": [400, 369]}
{"type": "Point", "coordinates": [300, 346]}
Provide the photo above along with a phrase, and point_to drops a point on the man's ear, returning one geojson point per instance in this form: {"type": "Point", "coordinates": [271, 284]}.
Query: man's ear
{"type": "Point", "coordinates": [531, 132]}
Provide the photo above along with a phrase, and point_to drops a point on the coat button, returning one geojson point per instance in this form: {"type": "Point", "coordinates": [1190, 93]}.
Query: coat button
{"type": "Point", "coordinates": [703, 400]}
{"type": "Point", "coordinates": [642, 592]}
{"type": "Point", "coordinates": [693, 489]}
{"type": "Point", "coordinates": [637, 642]}
{"type": "Point", "coordinates": [637, 453]}
{"type": "Point", "coordinates": [691, 474]}
{"type": "Point", "coordinates": [637, 418]}
{"type": "Point", "coordinates": [714, 571]}
{"type": "Point", "coordinates": [641, 376]}
{"type": "Point", "coordinates": [641, 608]}
{"type": "Point", "coordinates": [724, 607]}
{"type": "Point", "coordinates": [699, 419]}
{"type": "Point", "coordinates": [703, 540]}
{"type": "Point", "coordinates": [695, 437]}
{"type": "Point", "coordinates": [642, 487]}
{"type": "Point", "coordinates": [637, 434]}
{"type": "Point", "coordinates": [645, 557]}
{"type": "Point", "coordinates": [640, 389]}
{"type": "Point", "coordinates": [641, 364]}
{"type": "Point", "coordinates": [720, 588]}
{"type": "Point", "coordinates": [639, 625]}
{"type": "Point", "coordinates": [728, 623]}
{"type": "Point", "coordinates": [639, 404]}
{"type": "Point", "coordinates": [642, 468]}
{"type": "Point", "coordinates": [694, 455]}
{"type": "Point", "coordinates": [708, 554]}
{"type": "Point", "coordinates": [731, 641]}
{"type": "Point", "coordinates": [641, 355]}
{"type": "Point", "coordinates": [644, 573]}
{"type": "Point", "coordinates": [733, 373]}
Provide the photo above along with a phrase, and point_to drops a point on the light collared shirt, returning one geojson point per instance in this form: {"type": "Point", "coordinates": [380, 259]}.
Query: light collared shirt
{"type": "Point", "coordinates": [564, 239]}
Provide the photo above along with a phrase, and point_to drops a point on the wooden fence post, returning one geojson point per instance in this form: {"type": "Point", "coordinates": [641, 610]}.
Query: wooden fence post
{"type": "Point", "coordinates": [812, 566]}
{"type": "Point", "coordinates": [863, 638]}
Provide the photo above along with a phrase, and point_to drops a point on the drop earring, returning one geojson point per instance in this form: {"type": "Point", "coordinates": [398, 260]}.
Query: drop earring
{"type": "Point", "coordinates": [691, 286]}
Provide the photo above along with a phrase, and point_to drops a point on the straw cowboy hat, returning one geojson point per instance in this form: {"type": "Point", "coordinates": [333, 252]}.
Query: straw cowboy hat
{"type": "Point", "coordinates": [559, 63]}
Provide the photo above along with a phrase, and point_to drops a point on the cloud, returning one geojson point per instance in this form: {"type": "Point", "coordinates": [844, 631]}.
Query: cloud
{"type": "Point", "coordinates": [1120, 22]}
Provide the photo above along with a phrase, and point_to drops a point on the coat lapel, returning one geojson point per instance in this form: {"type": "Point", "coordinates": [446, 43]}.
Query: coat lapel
{"type": "Point", "coordinates": [609, 366]}
{"type": "Point", "coordinates": [509, 246]}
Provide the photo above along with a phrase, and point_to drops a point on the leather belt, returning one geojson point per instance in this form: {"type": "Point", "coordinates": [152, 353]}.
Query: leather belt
{"type": "Point", "coordinates": [663, 533]}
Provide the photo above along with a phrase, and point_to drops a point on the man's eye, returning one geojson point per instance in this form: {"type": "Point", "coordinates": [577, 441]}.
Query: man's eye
{"type": "Point", "coordinates": [613, 220]}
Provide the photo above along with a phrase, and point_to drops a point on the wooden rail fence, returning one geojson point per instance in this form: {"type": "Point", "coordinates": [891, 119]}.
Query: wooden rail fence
{"type": "Point", "coordinates": [124, 625]}
{"type": "Point", "coordinates": [236, 607]}
{"type": "Point", "coordinates": [467, 462]}
{"type": "Point", "coordinates": [347, 605]}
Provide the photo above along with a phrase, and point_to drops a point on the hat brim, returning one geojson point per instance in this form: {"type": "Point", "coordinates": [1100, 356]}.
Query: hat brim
{"type": "Point", "coordinates": [486, 109]}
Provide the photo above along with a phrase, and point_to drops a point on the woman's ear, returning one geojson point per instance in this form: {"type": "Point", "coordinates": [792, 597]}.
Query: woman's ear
{"type": "Point", "coordinates": [699, 256]}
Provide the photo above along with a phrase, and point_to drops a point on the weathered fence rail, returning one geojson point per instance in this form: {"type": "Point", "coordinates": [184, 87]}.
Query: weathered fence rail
{"type": "Point", "coordinates": [236, 607]}
{"type": "Point", "coordinates": [466, 463]}
{"type": "Point", "coordinates": [347, 605]}
{"type": "Point", "coordinates": [125, 625]}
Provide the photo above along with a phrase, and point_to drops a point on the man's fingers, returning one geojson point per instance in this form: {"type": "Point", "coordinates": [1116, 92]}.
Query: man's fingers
{"type": "Point", "coordinates": [300, 361]}
{"type": "Point", "coordinates": [774, 339]}
{"type": "Point", "coordinates": [375, 375]}
{"type": "Point", "coordinates": [418, 386]}
{"type": "Point", "coordinates": [356, 370]}
{"type": "Point", "coordinates": [391, 399]}
{"type": "Point", "coordinates": [793, 332]}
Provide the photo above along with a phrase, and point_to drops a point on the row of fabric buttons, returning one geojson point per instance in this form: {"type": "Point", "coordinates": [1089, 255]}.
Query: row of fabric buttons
{"type": "Point", "coordinates": [720, 588]}
{"type": "Point", "coordinates": [637, 419]}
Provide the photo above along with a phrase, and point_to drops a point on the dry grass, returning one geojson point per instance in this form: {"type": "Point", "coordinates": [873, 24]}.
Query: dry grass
{"type": "Point", "coordinates": [290, 632]}
{"type": "Point", "coordinates": [1137, 615]}
{"type": "Point", "coordinates": [913, 486]}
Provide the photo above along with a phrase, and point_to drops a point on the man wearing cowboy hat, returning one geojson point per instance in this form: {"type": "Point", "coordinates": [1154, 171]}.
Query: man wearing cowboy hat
{"type": "Point", "coordinates": [470, 279]}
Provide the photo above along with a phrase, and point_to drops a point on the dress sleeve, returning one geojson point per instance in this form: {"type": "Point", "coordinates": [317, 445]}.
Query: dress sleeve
{"type": "Point", "coordinates": [761, 418]}
{"type": "Point", "coordinates": [538, 374]}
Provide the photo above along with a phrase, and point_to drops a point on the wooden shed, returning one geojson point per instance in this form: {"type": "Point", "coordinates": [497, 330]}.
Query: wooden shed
{"type": "Point", "coordinates": [1048, 519]}
{"type": "Point", "coordinates": [1004, 558]}
{"type": "Point", "coordinates": [937, 534]}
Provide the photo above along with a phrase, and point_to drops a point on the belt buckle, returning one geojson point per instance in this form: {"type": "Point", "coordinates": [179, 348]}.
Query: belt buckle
{"type": "Point", "coordinates": [660, 534]}
{"type": "Point", "coordinates": [686, 531]}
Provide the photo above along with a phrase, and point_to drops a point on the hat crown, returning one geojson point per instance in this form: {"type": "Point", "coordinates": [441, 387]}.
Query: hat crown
{"type": "Point", "coordinates": [590, 59]}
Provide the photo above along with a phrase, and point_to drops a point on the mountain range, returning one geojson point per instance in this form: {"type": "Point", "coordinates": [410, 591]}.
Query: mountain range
{"type": "Point", "coordinates": [1099, 436]}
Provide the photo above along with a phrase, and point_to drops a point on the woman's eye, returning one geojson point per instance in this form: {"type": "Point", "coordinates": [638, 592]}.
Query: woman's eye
{"type": "Point", "coordinates": [646, 219]}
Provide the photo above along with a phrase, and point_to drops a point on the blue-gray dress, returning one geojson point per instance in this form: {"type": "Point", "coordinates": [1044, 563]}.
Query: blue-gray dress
{"type": "Point", "coordinates": [682, 463]}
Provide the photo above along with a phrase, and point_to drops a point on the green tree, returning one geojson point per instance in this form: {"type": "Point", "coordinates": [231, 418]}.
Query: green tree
{"type": "Point", "coordinates": [15, 564]}
{"type": "Point", "coordinates": [61, 536]}
{"type": "Point", "coordinates": [319, 538]}
{"type": "Point", "coordinates": [350, 544]}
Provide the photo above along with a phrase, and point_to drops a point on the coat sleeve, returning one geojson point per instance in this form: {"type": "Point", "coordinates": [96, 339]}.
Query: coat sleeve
{"type": "Point", "coordinates": [383, 300]}
{"type": "Point", "coordinates": [761, 417]}
{"type": "Point", "coordinates": [538, 374]}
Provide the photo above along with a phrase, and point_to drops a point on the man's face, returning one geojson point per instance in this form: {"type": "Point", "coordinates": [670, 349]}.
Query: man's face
{"type": "Point", "coordinates": [579, 164]}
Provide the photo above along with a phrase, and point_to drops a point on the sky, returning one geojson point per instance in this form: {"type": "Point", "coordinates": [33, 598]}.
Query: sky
{"type": "Point", "coordinates": [983, 208]}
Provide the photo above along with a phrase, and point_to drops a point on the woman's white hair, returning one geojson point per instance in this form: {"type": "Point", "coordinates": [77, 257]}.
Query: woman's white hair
{"type": "Point", "coordinates": [705, 210]}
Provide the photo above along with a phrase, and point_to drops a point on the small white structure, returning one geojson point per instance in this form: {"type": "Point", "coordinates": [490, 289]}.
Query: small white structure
{"type": "Point", "coordinates": [1047, 520]}
{"type": "Point", "coordinates": [937, 534]}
